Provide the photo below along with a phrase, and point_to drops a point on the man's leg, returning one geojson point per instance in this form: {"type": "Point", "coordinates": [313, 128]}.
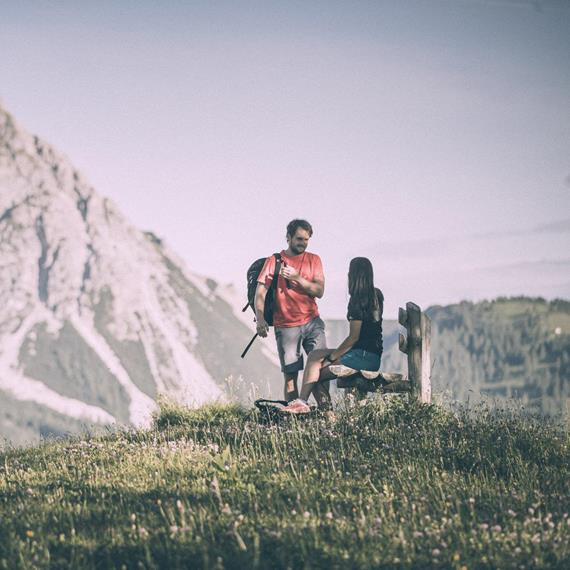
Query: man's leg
{"type": "Point", "coordinates": [289, 349]}
{"type": "Point", "coordinates": [315, 338]}
{"type": "Point", "coordinates": [290, 391]}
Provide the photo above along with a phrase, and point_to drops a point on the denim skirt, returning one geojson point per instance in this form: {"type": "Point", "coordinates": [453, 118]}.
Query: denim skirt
{"type": "Point", "coordinates": [361, 359]}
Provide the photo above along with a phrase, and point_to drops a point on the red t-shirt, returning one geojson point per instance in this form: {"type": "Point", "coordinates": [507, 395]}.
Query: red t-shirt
{"type": "Point", "coordinates": [293, 306]}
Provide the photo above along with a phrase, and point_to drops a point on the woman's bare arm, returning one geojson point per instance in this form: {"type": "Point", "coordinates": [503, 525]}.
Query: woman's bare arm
{"type": "Point", "coordinates": [348, 342]}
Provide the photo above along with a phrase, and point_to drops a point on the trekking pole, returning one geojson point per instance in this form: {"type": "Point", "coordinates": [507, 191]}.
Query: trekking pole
{"type": "Point", "coordinates": [249, 345]}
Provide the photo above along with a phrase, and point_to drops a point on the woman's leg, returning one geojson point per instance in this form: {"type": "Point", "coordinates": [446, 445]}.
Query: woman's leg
{"type": "Point", "coordinates": [314, 371]}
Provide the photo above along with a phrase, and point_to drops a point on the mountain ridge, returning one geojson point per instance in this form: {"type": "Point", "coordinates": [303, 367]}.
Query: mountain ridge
{"type": "Point", "coordinates": [96, 317]}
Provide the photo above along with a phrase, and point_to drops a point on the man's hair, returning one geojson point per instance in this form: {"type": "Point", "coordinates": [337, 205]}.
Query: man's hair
{"type": "Point", "coordinates": [294, 225]}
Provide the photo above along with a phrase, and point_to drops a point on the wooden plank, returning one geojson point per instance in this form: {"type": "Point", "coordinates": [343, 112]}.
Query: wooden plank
{"type": "Point", "coordinates": [425, 388]}
{"type": "Point", "coordinates": [414, 352]}
{"type": "Point", "coordinates": [403, 343]}
{"type": "Point", "coordinates": [402, 316]}
{"type": "Point", "coordinates": [388, 382]}
{"type": "Point", "coordinates": [383, 378]}
{"type": "Point", "coordinates": [392, 376]}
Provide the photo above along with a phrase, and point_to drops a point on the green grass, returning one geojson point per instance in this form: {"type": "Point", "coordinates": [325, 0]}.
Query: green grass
{"type": "Point", "coordinates": [391, 484]}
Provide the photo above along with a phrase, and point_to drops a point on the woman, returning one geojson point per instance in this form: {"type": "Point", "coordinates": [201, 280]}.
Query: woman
{"type": "Point", "coordinates": [362, 348]}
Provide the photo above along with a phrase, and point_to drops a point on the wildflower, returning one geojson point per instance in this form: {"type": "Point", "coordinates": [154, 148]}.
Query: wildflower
{"type": "Point", "coordinates": [497, 528]}
{"type": "Point", "coordinates": [456, 557]}
{"type": "Point", "coordinates": [226, 510]}
{"type": "Point", "coordinates": [173, 529]}
{"type": "Point", "coordinates": [143, 533]}
{"type": "Point", "coordinates": [484, 526]}
{"type": "Point", "coordinates": [30, 533]}
{"type": "Point", "coordinates": [180, 506]}
{"type": "Point", "coordinates": [329, 516]}
{"type": "Point", "coordinates": [62, 537]}
{"type": "Point", "coordinates": [471, 500]}
{"type": "Point", "coordinates": [133, 517]}
{"type": "Point", "coordinates": [531, 511]}
{"type": "Point", "coordinates": [418, 534]}
{"type": "Point", "coordinates": [512, 513]}
{"type": "Point", "coordinates": [435, 552]}
{"type": "Point", "coordinates": [306, 514]}
{"type": "Point", "coordinates": [293, 512]}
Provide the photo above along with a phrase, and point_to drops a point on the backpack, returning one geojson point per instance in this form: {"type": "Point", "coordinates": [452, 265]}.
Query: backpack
{"type": "Point", "coordinates": [252, 275]}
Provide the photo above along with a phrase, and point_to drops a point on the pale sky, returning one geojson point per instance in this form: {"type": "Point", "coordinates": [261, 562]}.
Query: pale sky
{"type": "Point", "coordinates": [431, 135]}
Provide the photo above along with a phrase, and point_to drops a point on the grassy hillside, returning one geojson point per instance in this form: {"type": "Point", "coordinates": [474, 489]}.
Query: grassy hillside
{"type": "Point", "coordinates": [391, 484]}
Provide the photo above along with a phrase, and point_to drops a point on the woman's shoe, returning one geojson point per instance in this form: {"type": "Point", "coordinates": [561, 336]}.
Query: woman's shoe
{"type": "Point", "coordinates": [297, 406]}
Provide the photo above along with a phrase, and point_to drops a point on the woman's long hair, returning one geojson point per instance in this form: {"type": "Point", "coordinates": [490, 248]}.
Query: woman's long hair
{"type": "Point", "coordinates": [363, 298]}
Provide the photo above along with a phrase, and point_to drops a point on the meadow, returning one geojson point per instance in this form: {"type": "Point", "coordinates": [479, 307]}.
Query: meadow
{"type": "Point", "coordinates": [390, 484]}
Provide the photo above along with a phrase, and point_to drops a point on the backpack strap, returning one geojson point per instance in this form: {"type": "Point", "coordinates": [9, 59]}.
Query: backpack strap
{"type": "Point", "coordinates": [278, 263]}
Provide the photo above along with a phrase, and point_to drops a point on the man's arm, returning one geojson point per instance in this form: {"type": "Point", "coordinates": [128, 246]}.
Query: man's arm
{"type": "Point", "coordinates": [260, 294]}
{"type": "Point", "coordinates": [314, 288]}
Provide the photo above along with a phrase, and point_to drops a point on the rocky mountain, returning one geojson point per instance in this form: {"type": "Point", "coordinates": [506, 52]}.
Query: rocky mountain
{"type": "Point", "coordinates": [98, 318]}
{"type": "Point", "coordinates": [517, 348]}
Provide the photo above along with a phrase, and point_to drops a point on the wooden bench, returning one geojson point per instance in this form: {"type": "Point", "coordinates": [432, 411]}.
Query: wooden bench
{"type": "Point", "coordinates": [359, 383]}
{"type": "Point", "coordinates": [416, 344]}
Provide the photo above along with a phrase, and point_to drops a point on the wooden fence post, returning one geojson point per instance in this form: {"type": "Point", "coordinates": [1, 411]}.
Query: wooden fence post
{"type": "Point", "coordinates": [417, 346]}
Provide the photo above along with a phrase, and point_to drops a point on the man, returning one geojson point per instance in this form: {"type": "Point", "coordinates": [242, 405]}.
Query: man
{"type": "Point", "coordinates": [296, 316]}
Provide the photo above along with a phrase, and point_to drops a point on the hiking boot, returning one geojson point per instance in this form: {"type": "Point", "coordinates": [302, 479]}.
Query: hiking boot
{"type": "Point", "coordinates": [297, 406]}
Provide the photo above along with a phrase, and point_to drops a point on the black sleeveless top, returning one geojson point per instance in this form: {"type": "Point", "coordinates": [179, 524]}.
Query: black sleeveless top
{"type": "Point", "coordinates": [370, 338]}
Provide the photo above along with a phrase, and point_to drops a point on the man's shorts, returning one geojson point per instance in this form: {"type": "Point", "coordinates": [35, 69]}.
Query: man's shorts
{"type": "Point", "coordinates": [290, 340]}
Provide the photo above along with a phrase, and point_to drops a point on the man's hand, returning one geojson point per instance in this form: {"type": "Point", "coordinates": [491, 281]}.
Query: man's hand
{"type": "Point", "coordinates": [289, 273]}
{"type": "Point", "coordinates": [312, 288]}
{"type": "Point", "coordinates": [262, 328]}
